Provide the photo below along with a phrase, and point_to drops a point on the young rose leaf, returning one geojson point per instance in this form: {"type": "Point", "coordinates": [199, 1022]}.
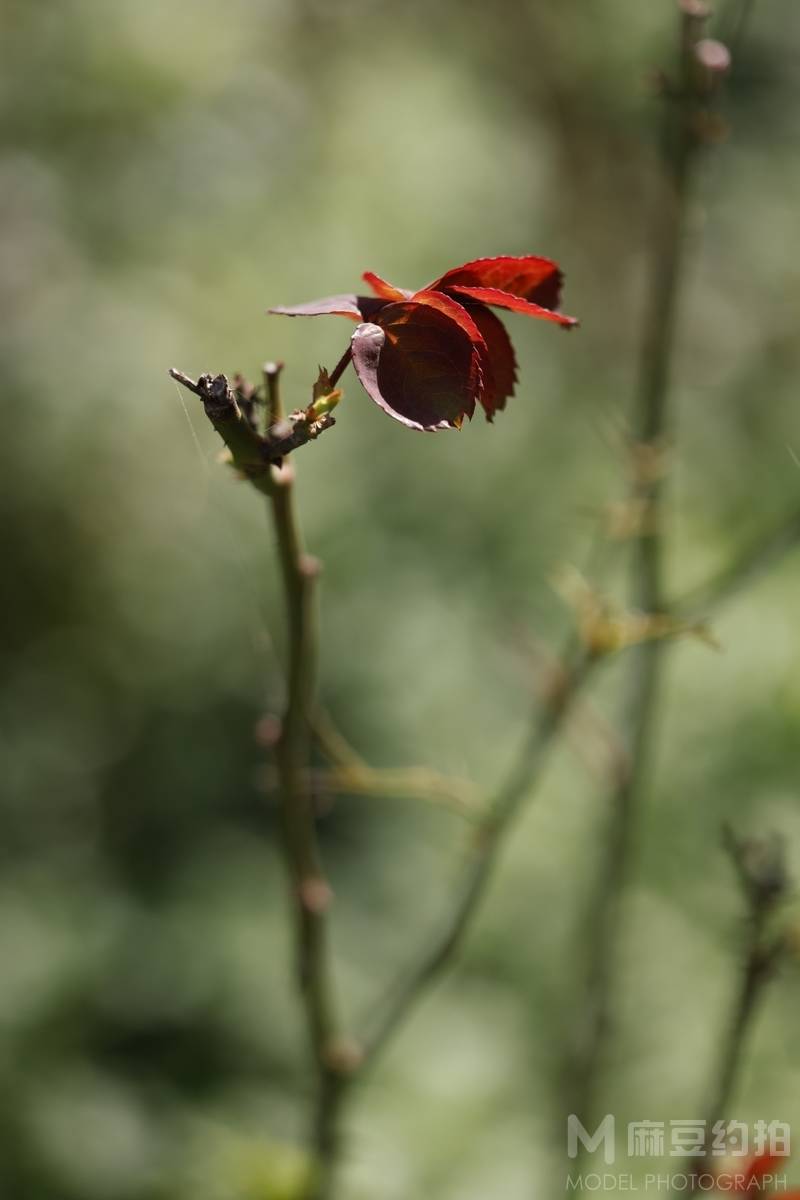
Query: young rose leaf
{"type": "Point", "coordinates": [418, 366]}
{"type": "Point", "coordinates": [358, 308]}
{"type": "Point", "coordinates": [529, 277]}
{"type": "Point", "coordinates": [322, 385]}
{"type": "Point", "coordinates": [494, 296]}
{"type": "Point", "coordinates": [387, 291]}
{"type": "Point", "coordinates": [426, 357]}
{"type": "Point", "coordinates": [324, 396]}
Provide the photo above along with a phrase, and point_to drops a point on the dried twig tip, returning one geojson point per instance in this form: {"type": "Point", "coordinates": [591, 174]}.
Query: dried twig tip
{"type": "Point", "coordinates": [184, 381]}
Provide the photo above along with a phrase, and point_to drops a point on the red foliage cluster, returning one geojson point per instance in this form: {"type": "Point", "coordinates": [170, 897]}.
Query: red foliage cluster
{"type": "Point", "coordinates": [757, 1173]}
{"type": "Point", "coordinates": [428, 357]}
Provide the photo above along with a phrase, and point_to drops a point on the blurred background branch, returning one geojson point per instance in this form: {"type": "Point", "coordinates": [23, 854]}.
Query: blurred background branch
{"type": "Point", "coordinates": [763, 553]}
{"type": "Point", "coordinates": [687, 106]}
{"type": "Point", "coordinates": [762, 875]}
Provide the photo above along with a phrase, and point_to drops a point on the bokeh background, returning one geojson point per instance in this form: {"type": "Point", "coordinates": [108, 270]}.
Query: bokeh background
{"type": "Point", "coordinates": [169, 170]}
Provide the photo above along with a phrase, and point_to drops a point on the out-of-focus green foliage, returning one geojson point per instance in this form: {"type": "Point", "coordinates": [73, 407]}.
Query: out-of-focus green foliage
{"type": "Point", "coordinates": [167, 172]}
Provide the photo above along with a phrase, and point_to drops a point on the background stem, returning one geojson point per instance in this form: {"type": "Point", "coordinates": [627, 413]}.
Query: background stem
{"type": "Point", "coordinates": [650, 427]}
{"type": "Point", "coordinates": [762, 873]}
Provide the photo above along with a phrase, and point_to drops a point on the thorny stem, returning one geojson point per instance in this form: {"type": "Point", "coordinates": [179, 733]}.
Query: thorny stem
{"type": "Point", "coordinates": [650, 428]}
{"type": "Point", "coordinates": [311, 895]}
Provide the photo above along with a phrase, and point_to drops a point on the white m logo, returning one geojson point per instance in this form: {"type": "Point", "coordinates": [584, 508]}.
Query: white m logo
{"type": "Point", "coordinates": [604, 1133]}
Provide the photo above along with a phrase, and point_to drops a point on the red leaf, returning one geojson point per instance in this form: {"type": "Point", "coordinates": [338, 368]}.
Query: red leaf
{"type": "Point", "coordinates": [387, 291]}
{"type": "Point", "coordinates": [481, 367]}
{"type": "Point", "coordinates": [455, 311]}
{"type": "Point", "coordinates": [418, 365]}
{"type": "Point", "coordinates": [500, 375]}
{"type": "Point", "coordinates": [529, 277]}
{"type": "Point", "coordinates": [358, 308]}
{"type": "Point", "coordinates": [500, 299]}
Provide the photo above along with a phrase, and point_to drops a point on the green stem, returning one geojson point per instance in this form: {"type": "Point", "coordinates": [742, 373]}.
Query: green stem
{"type": "Point", "coordinates": [340, 367]}
{"type": "Point", "coordinates": [311, 895]}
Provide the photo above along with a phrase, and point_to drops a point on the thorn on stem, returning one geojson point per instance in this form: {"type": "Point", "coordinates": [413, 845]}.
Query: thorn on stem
{"type": "Point", "coordinates": [283, 476]}
{"type": "Point", "coordinates": [343, 1055]}
{"type": "Point", "coordinates": [316, 894]}
{"type": "Point", "coordinates": [309, 566]}
{"type": "Point", "coordinates": [268, 731]}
